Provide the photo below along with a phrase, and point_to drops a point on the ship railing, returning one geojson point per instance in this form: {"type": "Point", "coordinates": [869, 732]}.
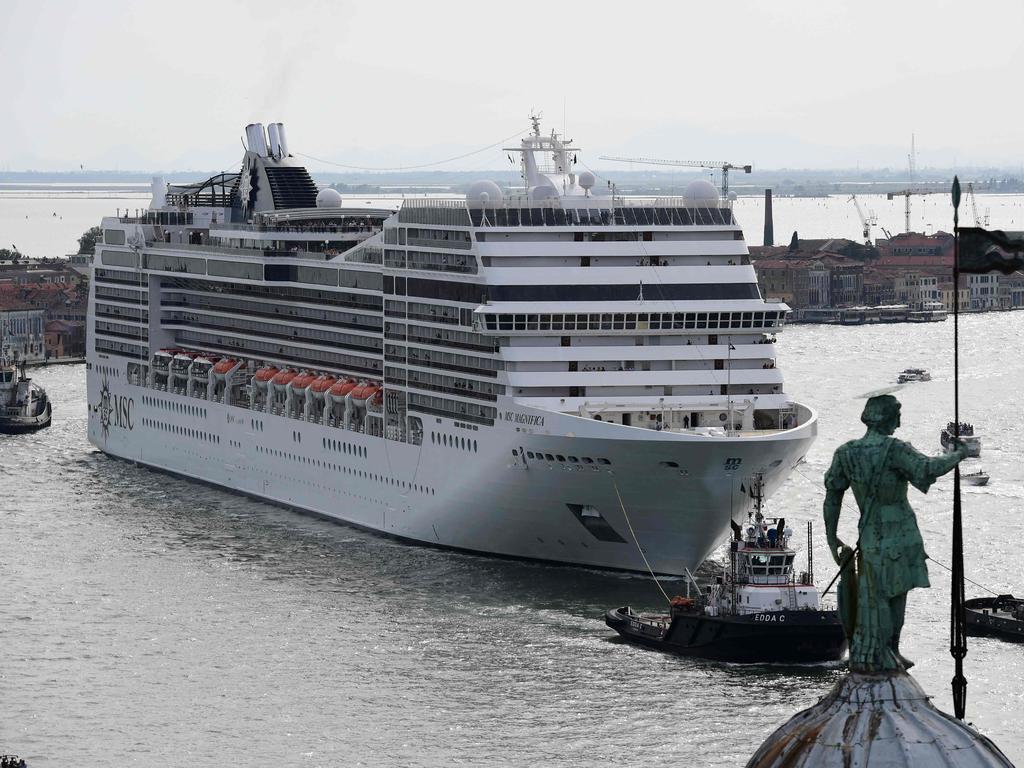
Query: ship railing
{"type": "Point", "coordinates": [519, 210]}
{"type": "Point", "coordinates": [251, 252]}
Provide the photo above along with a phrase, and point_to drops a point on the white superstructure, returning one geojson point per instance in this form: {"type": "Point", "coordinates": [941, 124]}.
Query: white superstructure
{"type": "Point", "coordinates": [554, 373]}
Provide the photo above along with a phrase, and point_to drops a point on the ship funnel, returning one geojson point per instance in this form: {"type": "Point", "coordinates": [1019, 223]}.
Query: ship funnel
{"type": "Point", "coordinates": [257, 140]}
{"type": "Point", "coordinates": [274, 133]}
{"type": "Point", "coordinates": [159, 193]}
{"type": "Point", "coordinates": [282, 139]}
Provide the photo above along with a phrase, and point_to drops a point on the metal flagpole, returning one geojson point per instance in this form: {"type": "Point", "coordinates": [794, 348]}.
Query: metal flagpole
{"type": "Point", "coordinates": [958, 617]}
{"type": "Point", "coordinates": [728, 384]}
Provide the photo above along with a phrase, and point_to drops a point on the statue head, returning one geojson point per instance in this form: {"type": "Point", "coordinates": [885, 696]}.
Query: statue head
{"type": "Point", "coordinates": [882, 414]}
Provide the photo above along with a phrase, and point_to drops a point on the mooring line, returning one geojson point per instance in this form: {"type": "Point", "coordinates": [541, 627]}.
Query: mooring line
{"type": "Point", "coordinates": [635, 541]}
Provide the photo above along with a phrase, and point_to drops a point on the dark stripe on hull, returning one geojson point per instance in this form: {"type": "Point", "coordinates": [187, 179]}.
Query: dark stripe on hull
{"type": "Point", "coordinates": [782, 637]}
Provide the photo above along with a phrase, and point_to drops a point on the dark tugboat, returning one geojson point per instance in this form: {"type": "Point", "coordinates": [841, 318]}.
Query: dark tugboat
{"type": "Point", "coordinates": [1001, 617]}
{"type": "Point", "coordinates": [758, 611]}
{"type": "Point", "coordinates": [24, 406]}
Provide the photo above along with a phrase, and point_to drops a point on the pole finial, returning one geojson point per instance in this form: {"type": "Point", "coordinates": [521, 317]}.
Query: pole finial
{"type": "Point", "coordinates": [956, 192]}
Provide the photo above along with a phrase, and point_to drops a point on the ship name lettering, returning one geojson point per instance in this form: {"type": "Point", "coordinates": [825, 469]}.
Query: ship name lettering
{"type": "Point", "coordinates": [122, 411]}
{"type": "Point", "coordinates": [768, 617]}
{"type": "Point", "coordinates": [524, 418]}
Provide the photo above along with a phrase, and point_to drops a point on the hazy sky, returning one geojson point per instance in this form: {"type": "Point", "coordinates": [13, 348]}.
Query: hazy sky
{"type": "Point", "coordinates": [148, 86]}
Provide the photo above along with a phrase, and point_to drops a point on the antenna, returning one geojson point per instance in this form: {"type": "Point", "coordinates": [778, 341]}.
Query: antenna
{"type": "Point", "coordinates": [535, 120]}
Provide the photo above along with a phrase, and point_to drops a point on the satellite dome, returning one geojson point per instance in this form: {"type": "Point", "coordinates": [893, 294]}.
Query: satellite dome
{"type": "Point", "coordinates": [700, 194]}
{"type": "Point", "coordinates": [484, 193]}
{"type": "Point", "coordinates": [328, 198]}
{"type": "Point", "coordinates": [544, 192]}
{"type": "Point", "coordinates": [587, 180]}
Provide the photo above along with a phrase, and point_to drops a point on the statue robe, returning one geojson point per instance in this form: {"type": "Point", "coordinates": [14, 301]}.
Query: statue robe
{"type": "Point", "coordinates": [892, 556]}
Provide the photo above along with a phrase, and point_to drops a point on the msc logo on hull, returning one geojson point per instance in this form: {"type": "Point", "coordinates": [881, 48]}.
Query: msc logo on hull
{"type": "Point", "coordinates": [115, 410]}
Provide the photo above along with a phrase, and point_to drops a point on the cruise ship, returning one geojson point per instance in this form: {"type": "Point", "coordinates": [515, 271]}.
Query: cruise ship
{"type": "Point", "coordinates": [552, 372]}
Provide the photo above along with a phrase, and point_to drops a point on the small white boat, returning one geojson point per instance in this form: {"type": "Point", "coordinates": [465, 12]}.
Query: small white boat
{"type": "Point", "coordinates": [913, 374]}
{"type": "Point", "coordinates": [975, 478]}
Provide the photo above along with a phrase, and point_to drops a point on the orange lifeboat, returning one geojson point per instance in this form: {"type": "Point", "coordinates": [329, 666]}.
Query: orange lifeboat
{"type": "Point", "coordinates": [363, 393]}
{"type": "Point", "coordinates": [322, 384]}
{"type": "Point", "coordinates": [342, 387]}
{"type": "Point", "coordinates": [284, 377]}
{"type": "Point", "coordinates": [302, 381]}
{"type": "Point", "coordinates": [263, 375]}
{"type": "Point", "coordinates": [224, 366]}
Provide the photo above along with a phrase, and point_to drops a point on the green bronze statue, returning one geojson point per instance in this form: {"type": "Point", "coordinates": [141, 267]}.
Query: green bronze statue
{"type": "Point", "coordinates": [889, 559]}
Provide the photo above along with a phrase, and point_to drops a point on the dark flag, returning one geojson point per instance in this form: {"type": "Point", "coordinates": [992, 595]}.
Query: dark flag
{"type": "Point", "coordinates": [983, 251]}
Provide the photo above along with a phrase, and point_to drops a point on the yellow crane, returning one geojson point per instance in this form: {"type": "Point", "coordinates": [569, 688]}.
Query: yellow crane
{"type": "Point", "coordinates": [721, 165]}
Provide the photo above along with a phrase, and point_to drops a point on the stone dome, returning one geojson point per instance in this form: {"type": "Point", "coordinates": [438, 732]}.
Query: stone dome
{"type": "Point", "coordinates": [876, 721]}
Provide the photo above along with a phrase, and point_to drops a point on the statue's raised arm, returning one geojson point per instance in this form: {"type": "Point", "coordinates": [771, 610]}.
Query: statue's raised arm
{"type": "Point", "coordinates": [890, 556]}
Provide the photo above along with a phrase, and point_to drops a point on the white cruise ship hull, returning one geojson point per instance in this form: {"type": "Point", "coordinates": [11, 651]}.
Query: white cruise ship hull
{"type": "Point", "coordinates": [668, 494]}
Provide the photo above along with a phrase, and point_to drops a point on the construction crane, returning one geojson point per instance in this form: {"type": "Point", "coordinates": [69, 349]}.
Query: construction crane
{"type": "Point", "coordinates": [979, 221]}
{"type": "Point", "coordinates": [866, 221]}
{"type": "Point", "coordinates": [723, 166]}
{"type": "Point", "coordinates": [906, 194]}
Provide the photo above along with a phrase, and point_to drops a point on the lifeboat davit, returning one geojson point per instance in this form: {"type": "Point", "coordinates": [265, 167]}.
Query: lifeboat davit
{"type": "Point", "coordinates": [224, 366]}
{"type": "Point", "coordinates": [301, 381]}
{"type": "Point", "coordinates": [263, 375]}
{"type": "Point", "coordinates": [321, 384]}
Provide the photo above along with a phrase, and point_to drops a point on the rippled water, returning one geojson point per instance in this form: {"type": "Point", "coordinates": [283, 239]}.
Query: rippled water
{"type": "Point", "coordinates": [148, 620]}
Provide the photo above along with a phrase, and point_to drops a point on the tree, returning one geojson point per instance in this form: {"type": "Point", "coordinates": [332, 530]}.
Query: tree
{"type": "Point", "coordinates": [87, 242]}
{"type": "Point", "coordinates": [6, 254]}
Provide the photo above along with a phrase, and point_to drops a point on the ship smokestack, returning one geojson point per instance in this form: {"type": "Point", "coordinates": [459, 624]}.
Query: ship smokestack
{"type": "Point", "coordinates": [282, 139]}
{"type": "Point", "coordinates": [257, 139]}
{"type": "Point", "coordinates": [275, 140]}
{"type": "Point", "coordinates": [769, 219]}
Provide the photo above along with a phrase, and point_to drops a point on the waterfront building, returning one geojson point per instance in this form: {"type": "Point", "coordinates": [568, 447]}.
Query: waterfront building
{"type": "Point", "coordinates": [946, 296]}
{"type": "Point", "coordinates": [21, 329]}
{"type": "Point", "coordinates": [984, 291]}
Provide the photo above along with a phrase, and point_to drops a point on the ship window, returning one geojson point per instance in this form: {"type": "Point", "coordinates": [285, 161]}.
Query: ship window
{"type": "Point", "coordinates": [560, 457]}
{"type": "Point", "coordinates": [549, 457]}
{"type": "Point", "coordinates": [603, 461]}
{"type": "Point", "coordinates": [587, 460]}
{"type": "Point", "coordinates": [529, 454]}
